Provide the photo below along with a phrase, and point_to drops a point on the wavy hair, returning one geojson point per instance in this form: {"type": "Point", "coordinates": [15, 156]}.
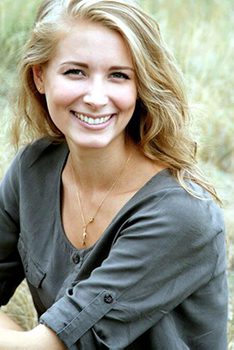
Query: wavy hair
{"type": "Point", "coordinates": [159, 125]}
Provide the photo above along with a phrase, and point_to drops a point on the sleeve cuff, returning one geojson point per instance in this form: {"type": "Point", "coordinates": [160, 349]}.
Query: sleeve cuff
{"type": "Point", "coordinates": [70, 323]}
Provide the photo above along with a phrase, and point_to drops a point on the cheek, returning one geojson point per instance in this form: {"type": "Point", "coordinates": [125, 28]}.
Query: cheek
{"type": "Point", "coordinates": [127, 99]}
{"type": "Point", "coordinates": [60, 93]}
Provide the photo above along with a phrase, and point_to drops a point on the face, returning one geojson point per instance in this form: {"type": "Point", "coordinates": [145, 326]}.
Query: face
{"type": "Point", "coordinates": [90, 86]}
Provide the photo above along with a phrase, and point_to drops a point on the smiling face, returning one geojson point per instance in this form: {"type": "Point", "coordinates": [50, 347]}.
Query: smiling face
{"type": "Point", "coordinates": [89, 85]}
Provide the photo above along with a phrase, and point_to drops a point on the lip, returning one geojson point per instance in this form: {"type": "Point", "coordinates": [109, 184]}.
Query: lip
{"type": "Point", "coordinates": [94, 116]}
{"type": "Point", "coordinates": [90, 121]}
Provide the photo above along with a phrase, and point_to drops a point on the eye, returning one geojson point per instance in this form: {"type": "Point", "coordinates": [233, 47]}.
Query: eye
{"type": "Point", "coordinates": [74, 71]}
{"type": "Point", "coordinates": [120, 75]}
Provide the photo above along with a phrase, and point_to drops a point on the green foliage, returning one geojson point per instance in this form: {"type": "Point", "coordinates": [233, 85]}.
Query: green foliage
{"type": "Point", "coordinates": [200, 34]}
{"type": "Point", "coordinates": [15, 20]}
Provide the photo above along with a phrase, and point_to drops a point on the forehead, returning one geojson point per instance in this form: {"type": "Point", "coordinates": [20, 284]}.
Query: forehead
{"type": "Point", "coordinates": [89, 40]}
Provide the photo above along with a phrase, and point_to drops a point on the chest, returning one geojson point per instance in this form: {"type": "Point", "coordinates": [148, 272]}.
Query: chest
{"type": "Point", "coordinates": [84, 225]}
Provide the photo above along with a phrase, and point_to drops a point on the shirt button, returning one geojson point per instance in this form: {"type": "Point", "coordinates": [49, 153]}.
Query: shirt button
{"type": "Point", "coordinates": [108, 298]}
{"type": "Point", "coordinates": [76, 258]}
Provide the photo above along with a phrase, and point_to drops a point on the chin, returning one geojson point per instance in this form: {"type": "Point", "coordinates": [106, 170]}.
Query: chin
{"type": "Point", "coordinates": [93, 145]}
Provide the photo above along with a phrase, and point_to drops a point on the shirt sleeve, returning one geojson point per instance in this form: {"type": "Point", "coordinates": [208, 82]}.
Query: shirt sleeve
{"type": "Point", "coordinates": [11, 271]}
{"type": "Point", "coordinates": [166, 250]}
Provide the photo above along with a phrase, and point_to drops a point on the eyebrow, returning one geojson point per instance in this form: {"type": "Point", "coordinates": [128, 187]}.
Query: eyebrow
{"type": "Point", "coordinates": [84, 65]}
{"type": "Point", "coordinates": [121, 68]}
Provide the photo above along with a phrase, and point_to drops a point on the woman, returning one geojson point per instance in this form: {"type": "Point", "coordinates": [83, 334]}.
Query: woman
{"type": "Point", "coordinates": [106, 214]}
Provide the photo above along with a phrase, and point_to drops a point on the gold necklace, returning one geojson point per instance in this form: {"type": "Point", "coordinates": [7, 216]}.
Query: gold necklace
{"type": "Point", "coordinates": [92, 218]}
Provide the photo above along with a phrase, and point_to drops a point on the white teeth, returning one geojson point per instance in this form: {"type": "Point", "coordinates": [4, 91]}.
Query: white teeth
{"type": "Point", "coordinates": [92, 121]}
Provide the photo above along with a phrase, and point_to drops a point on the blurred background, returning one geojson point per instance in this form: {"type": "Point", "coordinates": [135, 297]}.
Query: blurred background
{"type": "Point", "coordinates": [200, 35]}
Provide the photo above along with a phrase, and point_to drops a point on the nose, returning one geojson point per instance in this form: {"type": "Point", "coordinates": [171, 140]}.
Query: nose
{"type": "Point", "coordinates": [96, 96]}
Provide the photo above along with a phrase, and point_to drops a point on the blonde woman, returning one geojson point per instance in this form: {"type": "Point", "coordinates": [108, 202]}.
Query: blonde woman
{"type": "Point", "coordinates": [104, 212]}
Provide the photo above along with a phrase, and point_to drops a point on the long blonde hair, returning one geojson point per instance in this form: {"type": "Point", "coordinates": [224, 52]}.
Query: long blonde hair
{"type": "Point", "coordinates": [159, 125]}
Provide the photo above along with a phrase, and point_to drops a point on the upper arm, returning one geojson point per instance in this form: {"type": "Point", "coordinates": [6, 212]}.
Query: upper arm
{"type": "Point", "coordinates": [11, 272]}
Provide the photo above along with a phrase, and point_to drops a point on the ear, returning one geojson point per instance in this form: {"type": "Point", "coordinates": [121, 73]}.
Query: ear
{"type": "Point", "coordinates": [38, 78]}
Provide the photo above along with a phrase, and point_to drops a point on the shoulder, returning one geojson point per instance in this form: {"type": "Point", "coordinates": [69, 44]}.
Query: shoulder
{"type": "Point", "coordinates": [168, 205]}
{"type": "Point", "coordinates": [35, 161]}
{"type": "Point", "coordinates": [43, 150]}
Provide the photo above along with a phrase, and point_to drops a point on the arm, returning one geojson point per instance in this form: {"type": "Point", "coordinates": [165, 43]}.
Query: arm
{"type": "Point", "coordinates": [164, 254]}
{"type": "Point", "coordinates": [11, 270]}
{"type": "Point", "coordinates": [7, 323]}
{"type": "Point", "coordinates": [13, 337]}
{"type": "Point", "coordinates": [40, 338]}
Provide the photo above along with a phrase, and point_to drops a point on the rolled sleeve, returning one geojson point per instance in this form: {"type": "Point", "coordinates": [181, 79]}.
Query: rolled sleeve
{"type": "Point", "coordinates": [80, 322]}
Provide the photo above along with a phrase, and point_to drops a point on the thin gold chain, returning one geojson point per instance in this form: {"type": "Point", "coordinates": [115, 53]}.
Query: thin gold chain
{"type": "Point", "coordinates": [92, 218]}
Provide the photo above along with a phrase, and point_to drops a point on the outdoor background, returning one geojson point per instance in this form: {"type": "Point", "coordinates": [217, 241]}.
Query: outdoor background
{"type": "Point", "coordinates": [200, 34]}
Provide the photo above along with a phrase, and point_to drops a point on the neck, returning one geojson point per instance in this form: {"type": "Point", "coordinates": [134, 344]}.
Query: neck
{"type": "Point", "coordinates": [97, 168]}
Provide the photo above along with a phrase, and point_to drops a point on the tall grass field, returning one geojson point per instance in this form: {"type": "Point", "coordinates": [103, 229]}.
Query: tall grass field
{"type": "Point", "coordinates": [200, 34]}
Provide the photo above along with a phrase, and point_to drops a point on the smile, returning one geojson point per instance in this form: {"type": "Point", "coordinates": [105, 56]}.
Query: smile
{"type": "Point", "coordinates": [92, 121]}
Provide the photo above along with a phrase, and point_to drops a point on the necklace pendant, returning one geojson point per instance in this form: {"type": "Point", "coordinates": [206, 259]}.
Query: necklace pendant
{"type": "Point", "coordinates": [84, 235]}
{"type": "Point", "coordinates": [91, 219]}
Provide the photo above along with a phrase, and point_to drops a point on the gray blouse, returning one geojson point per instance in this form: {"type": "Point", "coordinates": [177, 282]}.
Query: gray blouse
{"type": "Point", "coordinates": [156, 279]}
